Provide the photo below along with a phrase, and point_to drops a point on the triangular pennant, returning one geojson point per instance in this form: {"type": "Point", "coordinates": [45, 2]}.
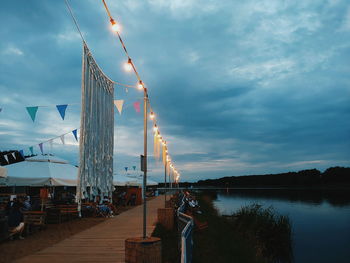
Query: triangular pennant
{"type": "Point", "coordinates": [75, 134]}
{"type": "Point", "coordinates": [32, 112]}
{"type": "Point", "coordinates": [22, 153]}
{"type": "Point", "coordinates": [62, 110]}
{"type": "Point", "coordinates": [31, 150]}
{"type": "Point", "coordinates": [6, 158]}
{"type": "Point", "coordinates": [134, 167]}
{"type": "Point", "coordinates": [51, 145]}
{"type": "Point", "coordinates": [137, 106]}
{"type": "Point", "coordinates": [119, 105]}
{"type": "Point", "coordinates": [41, 148]}
{"type": "Point", "coordinates": [13, 155]}
{"type": "Point", "coordinates": [62, 139]}
{"type": "Point", "coordinates": [126, 169]}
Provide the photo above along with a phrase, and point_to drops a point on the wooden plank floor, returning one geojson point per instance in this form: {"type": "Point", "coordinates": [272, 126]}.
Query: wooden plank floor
{"type": "Point", "coordinates": [103, 242]}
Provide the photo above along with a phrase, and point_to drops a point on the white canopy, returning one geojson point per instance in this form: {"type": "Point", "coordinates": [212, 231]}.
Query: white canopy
{"type": "Point", "coordinates": [3, 172]}
{"type": "Point", "coordinates": [44, 170]}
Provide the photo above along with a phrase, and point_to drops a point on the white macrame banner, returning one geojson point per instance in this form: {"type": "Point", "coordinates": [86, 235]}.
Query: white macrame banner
{"type": "Point", "coordinates": [97, 131]}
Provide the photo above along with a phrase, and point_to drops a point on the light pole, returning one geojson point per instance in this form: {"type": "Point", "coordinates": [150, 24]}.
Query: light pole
{"type": "Point", "coordinates": [145, 99]}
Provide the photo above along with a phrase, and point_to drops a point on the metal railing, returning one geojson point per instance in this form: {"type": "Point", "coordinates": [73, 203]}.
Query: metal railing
{"type": "Point", "coordinates": [185, 229]}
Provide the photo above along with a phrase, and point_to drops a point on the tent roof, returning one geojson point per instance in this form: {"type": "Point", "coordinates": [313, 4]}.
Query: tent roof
{"type": "Point", "coordinates": [40, 171]}
{"type": "Point", "coordinates": [3, 172]}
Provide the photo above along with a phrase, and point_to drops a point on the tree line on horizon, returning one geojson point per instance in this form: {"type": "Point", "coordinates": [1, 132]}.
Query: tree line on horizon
{"type": "Point", "coordinates": [308, 178]}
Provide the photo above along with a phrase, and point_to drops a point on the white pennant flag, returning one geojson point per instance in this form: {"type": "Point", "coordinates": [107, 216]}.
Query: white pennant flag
{"type": "Point", "coordinates": [62, 139]}
{"type": "Point", "coordinates": [14, 155]}
{"type": "Point", "coordinates": [51, 144]}
{"type": "Point", "coordinates": [119, 105]}
{"type": "Point", "coordinates": [6, 158]}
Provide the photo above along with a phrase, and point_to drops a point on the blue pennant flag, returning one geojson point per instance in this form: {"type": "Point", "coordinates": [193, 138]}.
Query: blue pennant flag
{"type": "Point", "coordinates": [134, 167]}
{"type": "Point", "coordinates": [126, 169]}
{"type": "Point", "coordinates": [75, 134]}
{"type": "Point", "coordinates": [22, 153]}
{"type": "Point", "coordinates": [31, 149]}
{"type": "Point", "coordinates": [62, 110]}
{"type": "Point", "coordinates": [32, 112]}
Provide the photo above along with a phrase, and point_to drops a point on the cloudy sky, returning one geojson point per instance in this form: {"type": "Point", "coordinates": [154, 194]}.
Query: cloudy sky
{"type": "Point", "coordinates": [239, 87]}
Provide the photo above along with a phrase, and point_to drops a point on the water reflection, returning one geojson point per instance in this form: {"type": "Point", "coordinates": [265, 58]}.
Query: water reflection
{"type": "Point", "coordinates": [320, 218]}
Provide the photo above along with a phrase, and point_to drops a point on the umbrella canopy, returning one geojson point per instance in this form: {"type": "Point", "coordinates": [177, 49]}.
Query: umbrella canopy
{"type": "Point", "coordinates": [3, 172]}
{"type": "Point", "coordinates": [41, 171]}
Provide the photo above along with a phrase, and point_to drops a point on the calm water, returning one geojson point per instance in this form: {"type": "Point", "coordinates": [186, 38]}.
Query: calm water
{"type": "Point", "coordinates": [320, 220]}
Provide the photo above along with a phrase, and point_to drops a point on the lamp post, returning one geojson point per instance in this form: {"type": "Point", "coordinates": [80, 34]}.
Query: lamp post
{"type": "Point", "coordinates": [145, 99]}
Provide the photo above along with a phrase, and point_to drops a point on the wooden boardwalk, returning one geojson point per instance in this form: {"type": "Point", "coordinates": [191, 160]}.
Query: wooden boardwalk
{"type": "Point", "coordinates": [103, 242]}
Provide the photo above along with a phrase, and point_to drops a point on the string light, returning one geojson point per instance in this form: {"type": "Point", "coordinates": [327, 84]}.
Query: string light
{"type": "Point", "coordinates": [115, 26]}
{"type": "Point", "coordinates": [128, 65]}
{"type": "Point", "coordinates": [140, 85]}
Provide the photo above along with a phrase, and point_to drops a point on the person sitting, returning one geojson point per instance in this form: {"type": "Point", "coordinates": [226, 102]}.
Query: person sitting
{"type": "Point", "coordinates": [16, 220]}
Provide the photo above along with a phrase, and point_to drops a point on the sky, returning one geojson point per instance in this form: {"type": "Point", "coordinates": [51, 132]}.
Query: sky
{"type": "Point", "coordinates": [238, 87]}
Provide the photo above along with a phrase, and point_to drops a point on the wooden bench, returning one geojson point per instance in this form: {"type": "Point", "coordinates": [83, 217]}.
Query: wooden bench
{"type": "Point", "coordinates": [34, 220]}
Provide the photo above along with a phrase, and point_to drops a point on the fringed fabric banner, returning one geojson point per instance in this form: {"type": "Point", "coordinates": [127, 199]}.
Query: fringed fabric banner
{"type": "Point", "coordinates": [97, 131]}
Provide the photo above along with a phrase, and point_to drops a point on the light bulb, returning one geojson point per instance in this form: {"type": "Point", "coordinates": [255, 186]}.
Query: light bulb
{"type": "Point", "coordinates": [155, 128]}
{"type": "Point", "coordinates": [115, 26]}
{"type": "Point", "coordinates": [152, 115]}
{"type": "Point", "coordinates": [128, 65]}
{"type": "Point", "coordinates": [140, 85]}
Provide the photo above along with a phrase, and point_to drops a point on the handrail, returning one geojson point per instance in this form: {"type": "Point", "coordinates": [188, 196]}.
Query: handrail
{"type": "Point", "coordinates": [186, 233]}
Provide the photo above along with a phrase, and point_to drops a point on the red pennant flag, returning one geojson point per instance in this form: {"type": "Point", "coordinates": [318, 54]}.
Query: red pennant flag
{"type": "Point", "coordinates": [137, 106]}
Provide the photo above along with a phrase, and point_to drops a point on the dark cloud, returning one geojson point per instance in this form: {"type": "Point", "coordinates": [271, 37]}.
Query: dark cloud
{"type": "Point", "coordinates": [238, 87]}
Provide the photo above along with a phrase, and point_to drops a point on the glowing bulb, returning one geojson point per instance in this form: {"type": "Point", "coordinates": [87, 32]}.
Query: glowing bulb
{"type": "Point", "coordinates": [155, 128]}
{"type": "Point", "coordinates": [151, 115]}
{"type": "Point", "coordinates": [115, 26]}
{"type": "Point", "coordinates": [140, 84]}
{"type": "Point", "coordinates": [128, 65]}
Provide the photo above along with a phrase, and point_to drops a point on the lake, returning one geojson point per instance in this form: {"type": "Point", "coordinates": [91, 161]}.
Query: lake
{"type": "Point", "coordinates": [320, 219]}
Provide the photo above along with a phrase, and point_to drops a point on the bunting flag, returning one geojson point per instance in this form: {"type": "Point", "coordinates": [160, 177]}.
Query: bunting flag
{"type": "Point", "coordinates": [32, 112]}
{"type": "Point", "coordinates": [31, 150]}
{"type": "Point", "coordinates": [75, 134]}
{"type": "Point", "coordinates": [119, 105]}
{"type": "Point", "coordinates": [41, 148]}
{"type": "Point", "coordinates": [134, 167]}
{"type": "Point", "coordinates": [126, 90]}
{"type": "Point", "coordinates": [13, 155]}
{"type": "Point", "coordinates": [6, 158]}
{"type": "Point", "coordinates": [51, 145]}
{"type": "Point", "coordinates": [126, 169]}
{"type": "Point", "coordinates": [22, 153]}
{"type": "Point", "coordinates": [137, 106]}
{"type": "Point", "coordinates": [62, 109]}
{"type": "Point", "coordinates": [62, 139]}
